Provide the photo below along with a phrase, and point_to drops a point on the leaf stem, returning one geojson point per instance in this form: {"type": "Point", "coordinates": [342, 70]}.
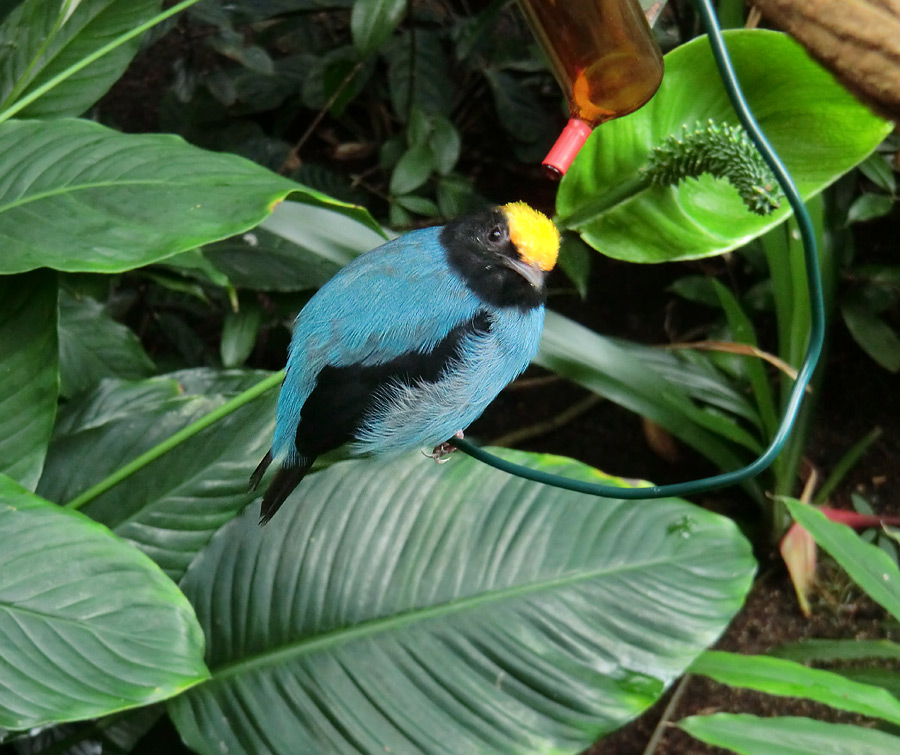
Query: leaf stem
{"type": "Point", "coordinates": [10, 111]}
{"type": "Point", "coordinates": [606, 201]}
{"type": "Point", "coordinates": [175, 440]}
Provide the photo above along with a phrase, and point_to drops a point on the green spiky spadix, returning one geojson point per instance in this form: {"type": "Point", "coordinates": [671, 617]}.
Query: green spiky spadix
{"type": "Point", "coordinates": [723, 151]}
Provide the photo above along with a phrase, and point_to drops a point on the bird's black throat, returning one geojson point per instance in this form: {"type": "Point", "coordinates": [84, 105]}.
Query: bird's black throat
{"type": "Point", "coordinates": [476, 246]}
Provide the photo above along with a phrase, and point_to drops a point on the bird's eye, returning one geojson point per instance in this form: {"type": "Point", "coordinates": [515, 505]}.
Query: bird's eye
{"type": "Point", "coordinates": [495, 234]}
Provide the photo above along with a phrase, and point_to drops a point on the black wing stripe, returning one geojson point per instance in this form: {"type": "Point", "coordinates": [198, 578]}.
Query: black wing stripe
{"type": "Point", "coordinates": [334, 410]}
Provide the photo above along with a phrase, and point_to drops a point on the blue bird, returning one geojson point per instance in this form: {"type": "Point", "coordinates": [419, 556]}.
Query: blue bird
{"type": "Point", "coordinates": [409, 343]}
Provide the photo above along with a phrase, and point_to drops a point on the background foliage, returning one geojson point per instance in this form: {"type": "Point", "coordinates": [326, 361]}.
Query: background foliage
{"type": "Point", "coordinates": [149, 279]}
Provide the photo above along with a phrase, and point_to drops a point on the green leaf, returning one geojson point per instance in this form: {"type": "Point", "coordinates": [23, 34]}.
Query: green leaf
{"type": "Point", "coordinates": [445, 143]}
{"type": "Point", "coordinates": [869, 566]}
{"type": "Point", "coordinates": [699, 218]}
{"type": "Point", "coordinates": [170, 508]}
{"type": "Point", "coordinates": [419, 205]}
{"type": "Point", "coordinates": [575, 261]}
{"type": "Point", "coordinates": [423, 608]}
{"type": "Point", "coordinates": [37, 43]}
{"type": "Point", "coordinates": [836, 650]}
{"type": "Point", "coordinates": [878, 170]}
{"type": "Point", "coordinates": [869, 207]}
{"type": "Point", "coordinates": [239, 332]}
{"type": "Point", "coordinates": [110, 202]}
{"type": "Point", "coordinates": [373, 21]}
{"type": "Point", "coordinates": [418, 74]}
{"type": "Point", "coordinates": [787, 735]}
{"type": "Point", "coordinates": [89, 625]}
{"type": "Point", "coordinates": [93, 346]}
{"type": "Point", "coordinates": [777, 676]}
{"type": "Point", "coordinates": [29, 373]}
{"type": "Point", "coordinates": [412, 170]}
{"type": "Point", "coordinates": [297, 247]}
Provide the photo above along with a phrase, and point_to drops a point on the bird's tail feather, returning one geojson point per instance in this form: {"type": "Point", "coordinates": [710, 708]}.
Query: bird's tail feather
{"type": "Point", "coordinates": [260, 470]}
{"type": "Point", "coordinates": [282, 485]}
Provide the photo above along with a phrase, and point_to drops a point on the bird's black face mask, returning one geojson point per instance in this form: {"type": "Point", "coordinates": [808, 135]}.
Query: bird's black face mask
{"type": "Point", "coordinates": [479, 248]}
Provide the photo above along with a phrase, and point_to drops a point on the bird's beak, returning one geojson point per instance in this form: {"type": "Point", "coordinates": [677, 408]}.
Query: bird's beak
{"type": "Point", "coordinates": [532, 273]}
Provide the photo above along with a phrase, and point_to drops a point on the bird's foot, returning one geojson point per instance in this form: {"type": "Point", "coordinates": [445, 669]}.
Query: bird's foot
{"type": "Point", "coordinates": [441, 452]}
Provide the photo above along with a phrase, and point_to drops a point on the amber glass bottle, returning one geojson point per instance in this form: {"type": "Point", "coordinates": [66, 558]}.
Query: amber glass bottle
{"type": "Point", "coordinates": [605, 59]}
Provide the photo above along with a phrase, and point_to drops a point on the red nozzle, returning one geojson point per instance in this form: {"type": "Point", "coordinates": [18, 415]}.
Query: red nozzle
{"type": "Point", "coordinates": [560, 157]}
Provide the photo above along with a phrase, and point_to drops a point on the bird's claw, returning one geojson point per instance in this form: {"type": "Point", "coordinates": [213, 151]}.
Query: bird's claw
{"type": "Point", "coordinates": [441, 452]}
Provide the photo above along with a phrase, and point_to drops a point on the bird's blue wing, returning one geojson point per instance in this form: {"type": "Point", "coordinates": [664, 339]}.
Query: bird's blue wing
{"type": "Point", "coordinates": [399, 299]}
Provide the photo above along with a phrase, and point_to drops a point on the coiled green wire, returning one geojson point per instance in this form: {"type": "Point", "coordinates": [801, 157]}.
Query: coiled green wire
{"type": "Point", "coordinates": [816, 336]}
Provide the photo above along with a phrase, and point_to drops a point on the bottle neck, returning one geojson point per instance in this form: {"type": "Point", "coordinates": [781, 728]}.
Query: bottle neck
{"type": "Point", "coordinates": [570, 141]}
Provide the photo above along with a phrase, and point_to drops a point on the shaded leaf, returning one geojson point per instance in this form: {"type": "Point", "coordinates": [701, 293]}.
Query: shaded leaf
{"type": "Point", "coordinates": [110, 202]}
{"type": "Point", "coordinates": [878, 170]}
{"type": "Point", "coordinates": [29, 373]}
{"type": "Point", "coordinates": [701, 217]}
{"type": "Point", "coordinates": [869, 207]}
{"type": "Point", "coordinates": [297, 247]}
{"type": "Point", "coordinates": [89, 625]}
{"type": "Point", "coordinates": [170, 508]}
{"type": "Point", "coordinates": [92, 346]}
{"type": "Point", "coordinates": [37, 42]}
{"type": "Point", "coordinates": [239, 331]}
{"type": "Point", "coordinates": [373, 21]}
{"type": "Point", "coordinates": [418, 74]}
{"type": "Point", "coordinates": [402, 600]}
{"type": "Point", "coordinates": [873, 334]}
{"type": "Point", "coordinates": [412, 170]}
{"type": "Point", "coordinates": [787, 735]}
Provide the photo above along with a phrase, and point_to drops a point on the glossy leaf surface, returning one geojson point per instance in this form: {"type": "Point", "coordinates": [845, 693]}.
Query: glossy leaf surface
{"type": "Point", "coordinates": [109, 202]}
{"type": "Point", "coordinates": [449, 609]}
{"type": "Point", "coordinates": [88, 624]}
{"type": "Point", "coordinates": [819, 130]}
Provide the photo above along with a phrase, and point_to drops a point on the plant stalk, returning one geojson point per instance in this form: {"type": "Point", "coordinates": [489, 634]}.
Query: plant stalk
{"type": "Point", "coordinates": [605, 202]}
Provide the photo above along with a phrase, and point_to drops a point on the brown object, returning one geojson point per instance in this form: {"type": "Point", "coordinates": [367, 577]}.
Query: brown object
{"type": "Point", "coordinates": [857, 40]}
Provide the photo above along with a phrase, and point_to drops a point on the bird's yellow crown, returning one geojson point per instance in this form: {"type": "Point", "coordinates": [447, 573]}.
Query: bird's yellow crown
{"type": "Point", "coordinates": [533, 233]}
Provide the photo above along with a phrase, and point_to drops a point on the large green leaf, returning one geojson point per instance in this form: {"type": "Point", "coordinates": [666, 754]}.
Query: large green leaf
{"type": "Point", "coordinates": [38, 41]}
{"type": "Point", "coordinates": [81, 197]}
{"type": "Point", "coordinates": [788, 735]}
{"type": "Point", "coordinates": [88, 625]}
{"type": "Point", "coordinates": [92, 346]}
{"type": "Point", "coordinates": [410, 607]}
{"type": "Point", "coordinates": [29, 377]}
{"type": "Point", "coordinates": [778, 676]}
{"type": "Point", "coordinates": [819, 130]}
{"type": "Point", "coordinates": [170, 508]}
